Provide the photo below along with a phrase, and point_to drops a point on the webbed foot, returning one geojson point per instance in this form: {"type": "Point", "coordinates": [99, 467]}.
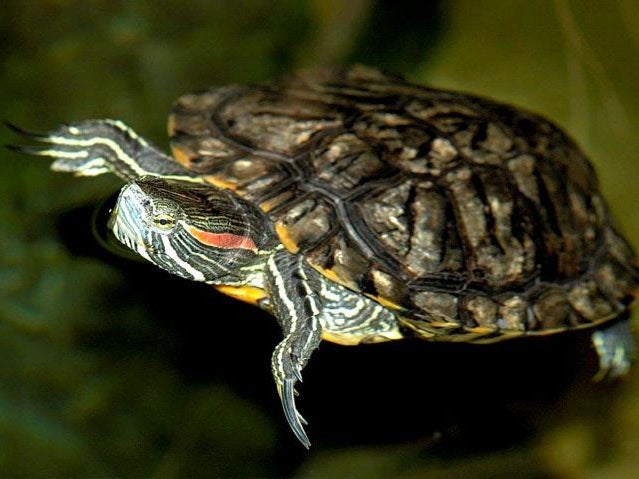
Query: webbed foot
{"type": "Point", "coordinates": [82, 149]}
{"type": "Point", "coordinates": [616, 348]}
{"type": "Point", "coordinates": [94, 147]}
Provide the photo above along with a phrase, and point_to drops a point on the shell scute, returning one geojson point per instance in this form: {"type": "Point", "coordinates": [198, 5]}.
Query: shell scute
{"type": "Point", "coordinates": [587, 299]}
{"type": "Point", "coordinates": [443, 307]}
{"type": "Point", "coordinates": [262, 120]}
{"type": "Point", "coordinates": [308, 222]}
{"type": "Point", "coordinates": [344, 161]}
{"type": "Point", "coordinates": [552, 309]}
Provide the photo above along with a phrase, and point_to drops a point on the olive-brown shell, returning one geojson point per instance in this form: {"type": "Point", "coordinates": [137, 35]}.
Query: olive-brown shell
{"type": "Point", "coordinates": [469, 217]}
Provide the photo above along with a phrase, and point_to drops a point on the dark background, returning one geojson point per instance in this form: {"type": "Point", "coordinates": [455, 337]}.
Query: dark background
{"type": "Point", "coordinates": [109, 368]}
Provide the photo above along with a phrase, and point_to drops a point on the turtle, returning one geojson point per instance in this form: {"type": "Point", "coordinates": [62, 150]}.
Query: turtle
{"type": "Point", "coordinates": [358, 207]}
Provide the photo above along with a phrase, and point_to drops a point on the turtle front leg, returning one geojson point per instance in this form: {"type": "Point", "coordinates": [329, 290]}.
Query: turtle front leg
{"type": "Point", "coordinates": [94, 147]}
{"type": "Point", "coordinates": [293, 295]}
{"type": "Point", "coordinates": [616, 348]}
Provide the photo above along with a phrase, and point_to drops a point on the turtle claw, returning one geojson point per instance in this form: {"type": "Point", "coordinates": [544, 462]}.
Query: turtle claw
{"type": "Point", "coordinates": [294, 418]}
{"type": "Point", "coordinates": [286, 371]}
{"type": "Point", "coordinates": [63, 134]}
{"type": "Point", "coordinates": [36, 135]}
{"type": "Point", "coordinates": [32, 135]}
{"type": "Point", "coordinates": [88, 148]}
{"type": "Point", "coordinates": [70, 152]}
{"type": "Point", "coordinates": [29, 150]}
{"type": "Point", "coordinates": [302, 420]}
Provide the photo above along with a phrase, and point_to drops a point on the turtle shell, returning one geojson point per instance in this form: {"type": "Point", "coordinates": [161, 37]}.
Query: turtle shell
{"type": "Point", "coordinates": [470, 218]}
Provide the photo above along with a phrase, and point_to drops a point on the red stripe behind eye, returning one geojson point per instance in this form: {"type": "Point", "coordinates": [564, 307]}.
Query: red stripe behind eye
{"type": "Point", "coordinates": [222, 240]}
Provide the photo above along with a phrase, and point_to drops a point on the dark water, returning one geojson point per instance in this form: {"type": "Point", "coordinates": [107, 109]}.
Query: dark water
{"type": "Point", "coordinates": [109, 368]}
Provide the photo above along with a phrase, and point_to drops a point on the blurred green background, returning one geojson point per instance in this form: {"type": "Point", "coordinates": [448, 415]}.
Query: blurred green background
{"type": "Point", "coordinates": [110, 369]}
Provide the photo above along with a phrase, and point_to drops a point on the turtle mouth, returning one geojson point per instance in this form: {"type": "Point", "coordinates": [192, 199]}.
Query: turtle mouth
{"type": "Point", "coordinates": [133, 243]}
{"type": "Point", "coordinates": [122, 232]}
{"type": "Point", "coordinates": [124, 224]}
{"type": "Point", "coordinates": [102, 227]}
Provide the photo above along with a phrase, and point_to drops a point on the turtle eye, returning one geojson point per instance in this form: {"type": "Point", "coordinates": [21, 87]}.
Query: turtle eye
{"type": "Point", "coordinates": [164, 222]}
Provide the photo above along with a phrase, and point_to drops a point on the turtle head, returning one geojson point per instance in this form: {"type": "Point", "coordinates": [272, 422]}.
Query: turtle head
{"type": "Point", "coordinates": [193, 230]}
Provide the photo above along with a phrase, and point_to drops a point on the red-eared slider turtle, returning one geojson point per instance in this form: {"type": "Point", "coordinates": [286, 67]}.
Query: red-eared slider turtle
{"type": "Point", "coordinates": [357, 207]}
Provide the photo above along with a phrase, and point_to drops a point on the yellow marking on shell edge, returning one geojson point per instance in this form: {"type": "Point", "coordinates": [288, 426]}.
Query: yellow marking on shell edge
{"type": "Point", "coordinates": [421, 332]}
{"type": "Point", "coordinates": [213, 180]}
{"type": "Point", "coordinates": [346, 339]}
{"type": "Point", "coordinates": [334, 276]}
{"type": "Point", "coordinates": [443, 325]}
{"type": "Point", "coordinates": [184, 159]}
{"type": "Point", "coordinates": [285, 238]}
{"type": "Point", "coordinates": [330, 274]}
{"type": "Point", "coordinates": [481, 330]}
{"type": "Point", "coordinates": [387, 303]}
{"type": "Point", "coordinates": [268, 204]}
{"type": "Point", "coordinates": [180, 156]}
{"type": "Point", "coordinates": [248, 294]}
